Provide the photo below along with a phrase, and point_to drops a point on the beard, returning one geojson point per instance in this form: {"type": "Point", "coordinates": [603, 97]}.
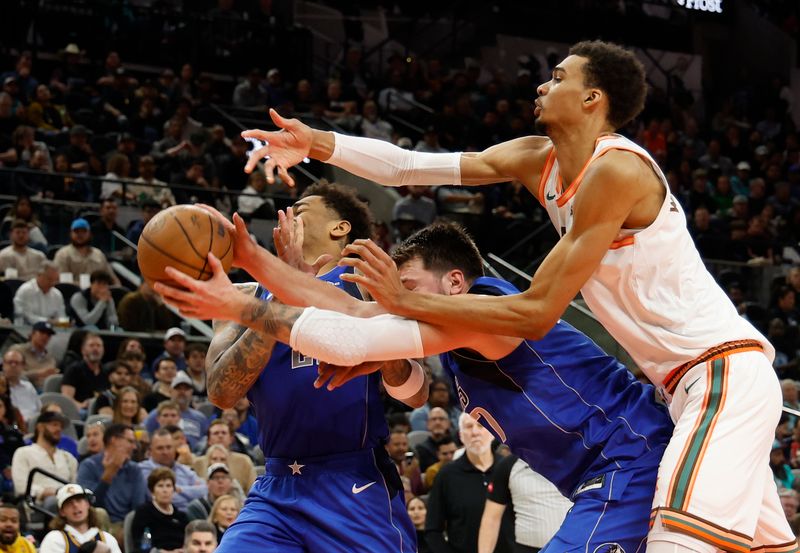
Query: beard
{"type": "Point", "coordinates": [6, 538]}
{"type": "Point", "coordinates": [51, 438]}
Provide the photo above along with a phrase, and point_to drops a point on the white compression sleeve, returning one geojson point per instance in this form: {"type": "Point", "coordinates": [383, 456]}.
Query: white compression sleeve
{"type": "Point", "coordinates": [387, 164]}
{"type": "Point", "coordinates": [344, 340]}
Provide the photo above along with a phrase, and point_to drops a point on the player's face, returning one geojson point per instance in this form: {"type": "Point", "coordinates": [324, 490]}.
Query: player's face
{"type": "Point", "coordinates": [318, 221]}
{"type": "Point", "coordinates": [561, 98]}
{"type": "Point", "coordinates": [417, 278]}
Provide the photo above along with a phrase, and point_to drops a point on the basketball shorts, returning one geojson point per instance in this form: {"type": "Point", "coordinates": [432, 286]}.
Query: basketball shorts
{"type": "Point", "coordinates": [714, 482]}
{"type": "Point", "coordinates": [610, 512]}
{"type": "Point", "coordinates": [335, 504]}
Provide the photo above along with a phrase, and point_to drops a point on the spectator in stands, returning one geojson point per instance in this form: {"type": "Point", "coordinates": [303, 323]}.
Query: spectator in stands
{"type": "Point", "coordinates": [538, 507]}
{"type": "Point", "coordinates": [27, 147]}
{"type": "Point", "coordinates": [196, 369]}
{"type": "Point", "coordinates": [82, 158]}
{"type": "Point", "coordinates": [445, 451]}
{"type": "Point", "coordinates": [76, 523]}
{"type": "Point", "coordinates": [162, 455]}
{"type": "Point", "coordinates": [224, 511]}
{"type": "Point", "coordinates": [249, 93]}
{"type": "Point", "coordinates": [127, 408]}
{"type": "Point", "coordinates": [44, 454]}
{"type": "Point", "coordinates": [193, 423]}
{"type": "Point", "coordinates": [277, 92]}
{"type": "Point", "coordinates": [165, 372]}
{"type": "Point", "coordinates": [785, 307]}
{"type": "Point", "coordinates": [144, 311]}
{"type": "Point", "coordinates": [438, 429]}
{"type": "Point", "coordinates": [80, 257]}
{"type": "Point", "coordinates": [93, 433]}
{"type": "Point", "coordinates": [136, 361]}
{"type": "Point", "coordinates": [85, 379]}
{"type": "Point", "coordinates": [714, 162]}
{"type": "Point", "coordinates": [10, 538]}
{"type": "Point", "coordinates": [105, 226]}
{"type": "Point", "coordinates": [439, 396]}
{"type": "Point", "coordinates": [23, 260]}
{"type": "Point", "coordinates": [38, 300]}
{"type": "Point", "coordinates": [45, 115]}
{"type": "Point", "coordinates": [66, 443]}
{"type": "Point", "coordinates": [119, 377]}
{"type": "Point", "coordinates": [372, 126]}
{"type": "Point", "coordinates": [8, 122]}
{"type": "Point", "coordinates": [94, 306]}
{"type": "Point", "coordinates": [148, 187]}
{"type": "Point", "coordinates": [200, 537]}
{"type": "Point", "coordinates": [23, 209]}
{"type": "Point", "coordinates": [150, 208]}
{"type": "Point", "coordinates": [174, 347]}
{"type": "Point", "coordinates": [182, 449]}
{"type": "Point", "coordinates": [256, 204]}
{"type": "Point", "coordinates": [10, 440]}
{"type": "Point", "coordinates": [430, 142]}
{"type": "Point", "coordinates": [417, 510]}
{"type": "Point", "coordinates": [117, 167]}
{"type": "Point", "coordinates": [455, 504]}
{"type": "Point", "coordinates": [781, 471]}
{"type": "Point", "coordinates": [39, 363]}
{"type": "Point", "coordinates": [219, 483]}
{"type": "Point", "coordinates": [790, 501]}
{"type": "Point", "coordinates": [116, 480]}
{"type": "Point", "coordinates": [416, 204]}
{"type": "Point", "coordinates": [405, 461]}
{"type": "Point", "coordinates": [162, 516]}
{"type": "Point", "coordinates": [22, 393]}
{"type": "Point", "coordinates": [240, 465]}
{"type": "Point", "coordinates": [241, 421]}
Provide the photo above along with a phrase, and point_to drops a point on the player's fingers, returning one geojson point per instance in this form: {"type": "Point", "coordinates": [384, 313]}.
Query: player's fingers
{"type": "Point", "coordinates": [254, 156]}
{"type": "Point", "coordinates": [324, 373]}
{"type": "Point", "coordinates": [170, 293]}
{"type": "Point", "coordinates": [357, 279]}
{"type": "Point", "coordinates": [321, 261]}
{"type": "Point", "coordinates": [359, 265]}
{"type": "Point", "coordinates": [257, 133]}
{"type": "Point", "coordinates": [184, 280]}
{"type": "Point", "coordinates": [285, 176]}
{"type": "Point", "coordinates": [216, 265]}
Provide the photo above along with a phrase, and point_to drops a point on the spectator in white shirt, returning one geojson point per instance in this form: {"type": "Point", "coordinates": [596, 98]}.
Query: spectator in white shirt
{"type": "Point", "coordinates": [44, 454]}
{"type": "Point", "coordinates": [23, 394]}
{"type": "Point", "coordinates": [26, 261]}
{"type": "Point", "coordinates": [38, 299]}
{"type": "Point", "coordinates": [248, 205]}
{"type": "Point", "coordinates": [76, 522]}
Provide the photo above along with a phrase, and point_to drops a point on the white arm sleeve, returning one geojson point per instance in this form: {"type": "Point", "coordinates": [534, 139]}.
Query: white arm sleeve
{"type": "Point", "coordinates": [387, 164]}
{"type": "Point", "coordinates": [347, 341]}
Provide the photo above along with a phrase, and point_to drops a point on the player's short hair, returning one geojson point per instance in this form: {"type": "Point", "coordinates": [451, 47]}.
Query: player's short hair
{"type": "Point", "coordinates": [159, 474]}
{"type": "Point", "coordinates": [345, 203]}
{"type": "Point", "coordinates": [442, 247]}
{"type": "Point", "coordinates": [617, 72]}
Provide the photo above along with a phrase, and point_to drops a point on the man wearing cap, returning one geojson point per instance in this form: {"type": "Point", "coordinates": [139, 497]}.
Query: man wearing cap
{"type": "Point", "coordinates": [75, 524]}
{"type": "Point", "coordinates": [148, 187]}
{"type": "Point", "coordinates": [174, 346]}
{"type": "Point", "coordinates": [193, 423]}
{"type": "Point", "coordinates": [10, 539]}
{"type": "Point", "coordinates": [116, 480]}
{"type": "Point", "coordinates": [740, 182]}
{"type": "Point", "coordinates": [44, 454]}
{"type": "Point", "coordinates": [219, 483]}
{"type": "Point", "coordinates": [38, 299]}
{"type": "Point", "coordinates": [85, 379]}
{"type": "Point", "coordinates": [39, 363]}
{"type": "Point", "coordinates": [240, 465]}
{"type": "Point", "coordinates": [162, 454]}
{"type": "Point", "coordinates": [82, 158]}
{"type": "Point", "coordinates": [80, 257]}
{"type": "Point", "coordinates": [18, 256]}
{"type": "Point", "coordinates": [23, 394]}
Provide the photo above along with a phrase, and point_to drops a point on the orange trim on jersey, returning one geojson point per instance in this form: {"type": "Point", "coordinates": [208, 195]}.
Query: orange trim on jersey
{"type": "Point", "coordinates": [621, 243]}
{"type": "Point", "coordinates": [548, 166]}
{"type": "Point", "coordinates": [573, 187]}
{"type": "Point", "coordinates": [705, 530]}
{"type": "Point", "coordinates": [709, 433]}
{"type": "Point", "coordinates": [728, 348]}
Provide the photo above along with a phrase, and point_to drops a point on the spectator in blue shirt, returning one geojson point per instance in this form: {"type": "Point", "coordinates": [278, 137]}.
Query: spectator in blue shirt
{"type": "Point", "coordinates": [162, 454]}
{"type": "Point", "coordinates": [193, 423]}
{"type": "Point", "coordinates": [116, 480]}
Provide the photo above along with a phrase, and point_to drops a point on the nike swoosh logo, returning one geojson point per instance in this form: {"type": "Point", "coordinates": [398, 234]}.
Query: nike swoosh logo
{"type": "Point", "coordinates": [686, 389]}
{"type": "Point", "coordinates": [359, 489]}
{"type": "Point", "coordinates": [550, 196]}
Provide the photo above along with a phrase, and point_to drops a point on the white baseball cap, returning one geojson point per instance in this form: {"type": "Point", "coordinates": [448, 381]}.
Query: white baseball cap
{"type": "Point", "coordinates": [172, 332]}
{"type": "Point", "coordinates": [68, 491]}
{"type": "Point", "coordinates": [181, 378]}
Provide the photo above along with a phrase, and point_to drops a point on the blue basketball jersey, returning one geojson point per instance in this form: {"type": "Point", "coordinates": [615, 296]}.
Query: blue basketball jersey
{"type": "Point", "coordinates": [297, 420]}
{"type": "Point", "coordinates": [563, 405]}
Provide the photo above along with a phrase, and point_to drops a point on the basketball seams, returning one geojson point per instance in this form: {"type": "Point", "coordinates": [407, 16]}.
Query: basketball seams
{"type": "Point", "coordinates": [210, 242]}
{"type": "Point", "coordinates": [189, 239]}
{"type": "Point", "coordinates": [166, 254]}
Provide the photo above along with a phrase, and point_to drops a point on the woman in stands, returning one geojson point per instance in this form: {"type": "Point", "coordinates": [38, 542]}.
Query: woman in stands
{"type": "Point", "coordinates": [159, 517]}
{"type": "Point", "coordinates": [127, 408]}
{"type": "Point", "coordinates": [225, 510]}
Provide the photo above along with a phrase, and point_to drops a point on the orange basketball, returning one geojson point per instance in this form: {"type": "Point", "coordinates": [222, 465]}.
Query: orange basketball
{"type": "Point", "coordinates": [181, 237]}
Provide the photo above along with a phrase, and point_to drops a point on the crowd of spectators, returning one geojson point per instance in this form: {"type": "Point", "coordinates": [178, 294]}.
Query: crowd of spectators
{"type": "Point", "coordinates": [135, 431]}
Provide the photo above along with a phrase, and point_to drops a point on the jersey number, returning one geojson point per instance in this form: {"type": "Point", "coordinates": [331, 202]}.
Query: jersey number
{"type": "Point", "coordinates": [480, 412]}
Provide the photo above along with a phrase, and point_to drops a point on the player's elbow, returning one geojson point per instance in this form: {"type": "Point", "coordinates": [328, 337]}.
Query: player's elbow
{"type": "Point", "coordinates": [221, 399]}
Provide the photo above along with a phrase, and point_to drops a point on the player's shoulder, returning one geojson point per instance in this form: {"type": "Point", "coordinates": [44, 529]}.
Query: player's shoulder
{"type": "Point", "coordinates": [619, 171]}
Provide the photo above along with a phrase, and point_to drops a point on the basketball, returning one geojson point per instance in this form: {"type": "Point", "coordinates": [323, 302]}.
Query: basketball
{"type": "Point", "coordinates": [181, 237]}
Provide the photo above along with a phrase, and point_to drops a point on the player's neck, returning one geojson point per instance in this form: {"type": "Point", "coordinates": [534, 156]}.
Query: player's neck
{"type": "Point", "coordinates": [574, 147]}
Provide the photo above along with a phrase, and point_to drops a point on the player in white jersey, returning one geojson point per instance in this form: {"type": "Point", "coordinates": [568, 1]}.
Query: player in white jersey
{"type": "Point", "coordinates": [625, 246]}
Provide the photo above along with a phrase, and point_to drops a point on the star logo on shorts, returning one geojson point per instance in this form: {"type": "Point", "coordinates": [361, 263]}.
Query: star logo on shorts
{"type": "Point", "coordinates": [295, 468]}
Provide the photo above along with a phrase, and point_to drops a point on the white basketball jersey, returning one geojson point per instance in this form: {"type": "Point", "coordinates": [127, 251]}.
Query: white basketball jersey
{"type": "Point", "coordinates": [652, 291]}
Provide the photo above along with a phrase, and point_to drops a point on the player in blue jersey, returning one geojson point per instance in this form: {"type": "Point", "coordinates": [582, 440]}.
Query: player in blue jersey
{"type": "Point", "coordinates": [572, 412]}
{"type": "Point", "coordinates": [329, 485]}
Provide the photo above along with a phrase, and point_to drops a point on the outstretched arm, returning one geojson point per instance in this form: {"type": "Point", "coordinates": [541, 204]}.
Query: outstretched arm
{"type": "Point", "coordinates": [521, 159]}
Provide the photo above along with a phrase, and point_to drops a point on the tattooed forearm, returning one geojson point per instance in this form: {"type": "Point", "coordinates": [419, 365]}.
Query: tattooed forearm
{"type": "Point", "coordinates": [272, 318]}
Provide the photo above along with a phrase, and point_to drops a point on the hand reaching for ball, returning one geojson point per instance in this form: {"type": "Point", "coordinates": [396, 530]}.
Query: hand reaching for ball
{"type": "Point", "coordinates": [244, 247]}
